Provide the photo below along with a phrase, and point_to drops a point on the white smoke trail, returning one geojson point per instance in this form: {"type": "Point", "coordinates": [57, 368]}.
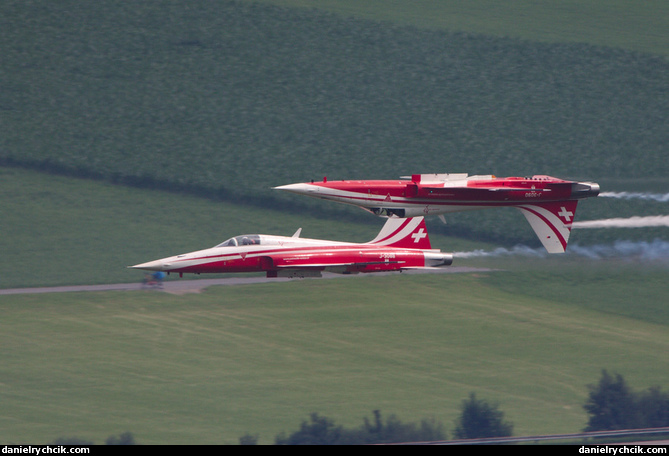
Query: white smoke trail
{"type": "Point", "coordinates": [637, 250]}
{"type": "Point", "coordinates": [632, 222]}
{"type": "Point", "coordinates": [501, 251]}
{"type": "Point", "coordinates": [660, 197]}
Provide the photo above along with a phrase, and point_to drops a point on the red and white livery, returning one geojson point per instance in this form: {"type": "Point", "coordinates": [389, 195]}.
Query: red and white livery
{"type": "Point", "coordinates": [402, 244]}
{"type": "Point", "coordinates": [548, 203]}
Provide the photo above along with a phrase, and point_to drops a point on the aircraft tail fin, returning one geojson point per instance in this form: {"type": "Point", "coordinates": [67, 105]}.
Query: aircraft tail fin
{"type": "Point", "coordinates": [404, 232]}
{"type": "Point", "coordinates": [551, 222]}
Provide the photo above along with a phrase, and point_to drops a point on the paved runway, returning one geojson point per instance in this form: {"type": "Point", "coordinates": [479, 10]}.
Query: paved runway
{"type": "Point", "coordinates": [176, 285]}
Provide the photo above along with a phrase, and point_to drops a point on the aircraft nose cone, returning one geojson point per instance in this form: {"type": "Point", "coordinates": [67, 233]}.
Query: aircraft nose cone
{"type": "Point", "coordinates": [302, 189]}
{"type": "Point", "coordinates": [157, 265]}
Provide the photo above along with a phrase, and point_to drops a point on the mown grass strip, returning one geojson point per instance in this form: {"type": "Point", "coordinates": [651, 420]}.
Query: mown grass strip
{"type": "Point", "coordinates": [209, 368]}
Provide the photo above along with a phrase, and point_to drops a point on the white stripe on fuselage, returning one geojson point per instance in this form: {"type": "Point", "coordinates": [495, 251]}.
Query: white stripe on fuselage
{"type": "Point", "coordinates": [304, 247]}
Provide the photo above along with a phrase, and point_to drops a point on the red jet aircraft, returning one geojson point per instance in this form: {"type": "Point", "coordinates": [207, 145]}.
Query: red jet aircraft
{"type": "Point", "coordinates": [548, 203]}
{"type": "Point", "coordinates": [402, 244]}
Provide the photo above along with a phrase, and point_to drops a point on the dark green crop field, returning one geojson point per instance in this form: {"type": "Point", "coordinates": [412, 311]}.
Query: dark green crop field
{"type": "Point", "coordinates": [227, 99]}
{"type": "Point", "coordinates": [231, 98]}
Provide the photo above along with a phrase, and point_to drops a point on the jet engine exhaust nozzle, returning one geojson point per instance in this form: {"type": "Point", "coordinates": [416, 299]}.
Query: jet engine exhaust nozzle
{"type": "Point", "coordinates": [584, 189]}
{"type": "Point", "coordinates": [438, 259]}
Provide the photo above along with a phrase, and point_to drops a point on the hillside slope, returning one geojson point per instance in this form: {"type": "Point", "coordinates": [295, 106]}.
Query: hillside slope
{"type": "Point", "coordinates": [209, 368]}
{"type": "Point", "coordinates": [624, 24]}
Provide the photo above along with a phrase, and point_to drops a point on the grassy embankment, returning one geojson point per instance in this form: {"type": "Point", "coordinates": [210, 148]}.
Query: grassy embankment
{"type": "Point", "coordinates": [209, 368]}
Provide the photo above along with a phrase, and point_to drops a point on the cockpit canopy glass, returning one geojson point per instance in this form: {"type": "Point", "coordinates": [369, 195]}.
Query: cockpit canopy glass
{"type": "Point", "coordinates": [246, 239]}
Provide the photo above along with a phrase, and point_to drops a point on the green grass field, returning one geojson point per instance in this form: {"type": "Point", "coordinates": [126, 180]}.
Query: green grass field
{"type": "Point", "coordinates": [210, 368]}
{"type": "Point", "coordinates": [258, 359]}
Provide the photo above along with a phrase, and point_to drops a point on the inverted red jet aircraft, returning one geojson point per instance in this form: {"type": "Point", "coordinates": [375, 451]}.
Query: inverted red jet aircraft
{"type": "Point", "coordinates": [402, 244]}
{"type": "Point", "coordinates": [548, 203]}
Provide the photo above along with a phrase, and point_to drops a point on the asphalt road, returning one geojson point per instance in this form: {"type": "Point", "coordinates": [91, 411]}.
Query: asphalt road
{"type": "Point", "coordinates": [181, 286]}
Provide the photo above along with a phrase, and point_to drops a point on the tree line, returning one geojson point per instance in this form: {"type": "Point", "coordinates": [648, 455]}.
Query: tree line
{"type": "Point", "coordinates": [611, 405]}
{"type": "Point", "coordinates": [478, 418]}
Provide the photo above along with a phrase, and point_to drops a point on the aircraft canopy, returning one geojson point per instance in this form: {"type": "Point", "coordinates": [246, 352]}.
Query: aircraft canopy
{"type": "Point", "coordinates": [245, 239]}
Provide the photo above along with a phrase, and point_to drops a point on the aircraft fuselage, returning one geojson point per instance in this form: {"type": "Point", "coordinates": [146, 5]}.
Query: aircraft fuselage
{"type": "Point", "coordinates": [548, 203]}
{"type": "Point", "coordinates": [435, 194]}
{"type": "Point", "coordinates": [402, 244]}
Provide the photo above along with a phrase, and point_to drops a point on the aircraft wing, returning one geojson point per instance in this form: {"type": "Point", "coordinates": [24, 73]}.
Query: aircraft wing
{"type": "Point", "coordinates": [442, 189]}
{"type": "Point", "coordinates": [332, 265]}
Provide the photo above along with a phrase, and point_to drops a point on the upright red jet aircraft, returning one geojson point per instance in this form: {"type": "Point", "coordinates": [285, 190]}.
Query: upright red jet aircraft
{"type": "Point", "coordinates": [548, 203]}
{"type": "Point", "coordinates": [402, 244]}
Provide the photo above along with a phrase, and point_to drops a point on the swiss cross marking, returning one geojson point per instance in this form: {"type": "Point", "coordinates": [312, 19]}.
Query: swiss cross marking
{"type": "Point", "coordinates": [417, 236]}
{"type": "Point", "coordinates": [565, 214]}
